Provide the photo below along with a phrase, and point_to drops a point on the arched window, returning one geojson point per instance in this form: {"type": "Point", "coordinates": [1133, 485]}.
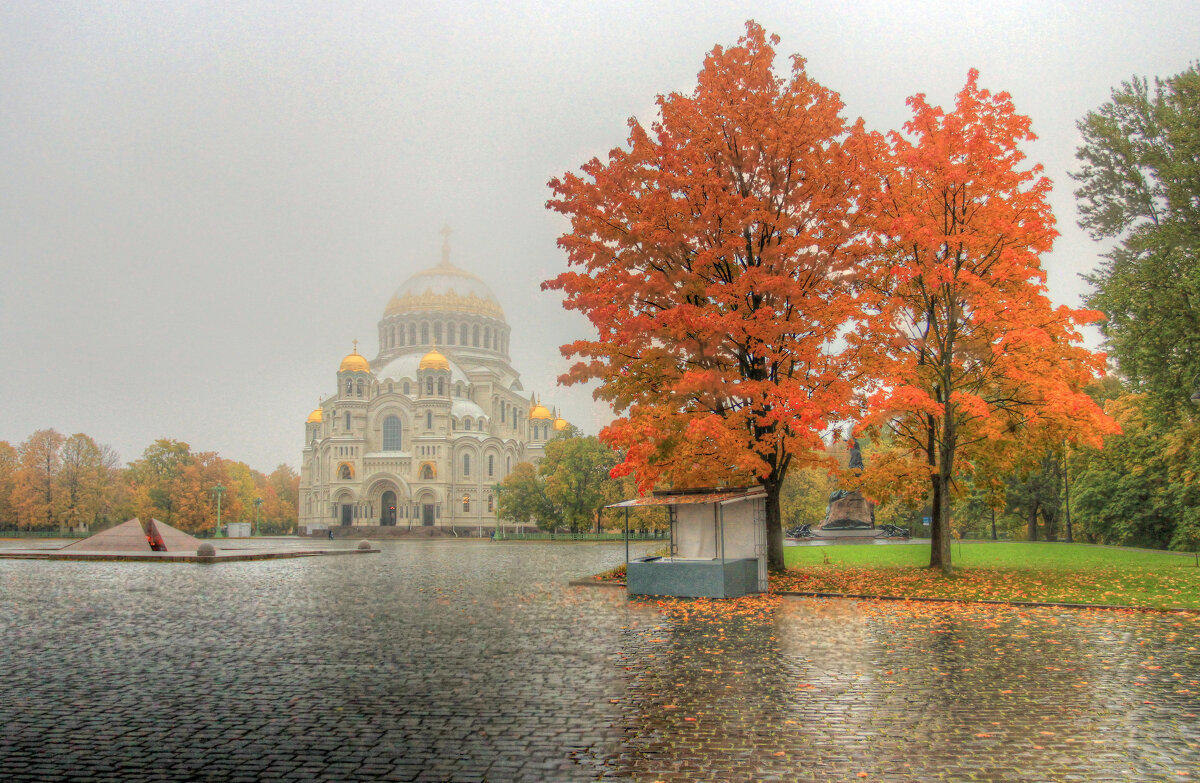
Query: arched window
{"type": "Point", "coordinates": [507, 465]}
{"type": "Point", "coordinates": [441, 387]}
{"type": "Point", "coordinates": [491, 467]}
{"type": "Point", "coordinates": [427, 472]}
{"type": "Point", "coordinates": [449, 334]}
{"type": "Point", "coordinates": [467, 424]}
{"type": "Point", "coordinates": [429, 386]}
{"type": "Point", "coordinates": [360, 387]}
{"type": "Point", "coordinates": [398, 334]}
{"type": "Point", "coordinates": [390, 389]}
{"type": "Point", "coordinates": [428, 420]}
{"type": "Point", "coordinates": [347, 420]}
{"type": "Point", "coordinates": [391, 433]}
{"type": "Point", "coordinates": [406, 387]}
{"type": "Point", "coordinates": [349, 387]}
{"type": "Point", "coordinates": [344, 473]}
{"type": "Point", "coordinates": [462, 334]}
{"type": "Point", "coordinates": [437, 332]}
{"type": "Point", "coordinates": [503, 413]}
{"type": "Point", "coordinates": [475, 336]}
{"type": "Point", "coordinates": [466, 503]}
{"type": "Point", "coordinates": [487, 338]}
{"type": "Point", "coordinates": [466, 464]}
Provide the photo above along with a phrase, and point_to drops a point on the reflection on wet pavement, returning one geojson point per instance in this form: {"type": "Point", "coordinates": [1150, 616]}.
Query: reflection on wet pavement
{"type": "Point", "coordinates": [474, 661]}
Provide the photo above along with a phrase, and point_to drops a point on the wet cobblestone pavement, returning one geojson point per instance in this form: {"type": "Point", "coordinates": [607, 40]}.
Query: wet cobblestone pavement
{"type": "Point", "coordinates": [473, 661]}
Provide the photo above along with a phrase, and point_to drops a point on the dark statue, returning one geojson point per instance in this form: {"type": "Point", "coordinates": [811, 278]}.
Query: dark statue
{"type": "Point", "coordinates": [848, 509]}
{"type": "Point", "coordinates": [856, 462]}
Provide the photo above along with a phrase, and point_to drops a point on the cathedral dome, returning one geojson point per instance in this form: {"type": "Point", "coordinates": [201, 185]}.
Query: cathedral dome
{"type": "Point", "coordinates": [316, 417]}
{"type": "Point", "coordinates": [434, 360]}
{"type": "Point", "coordinates": [355, 362]}
{"type": "Point", "coordinates": [445, 288]}
{"type": "Point", "coordinates": [561, 424]}
{"type": "Point", "coordinates": [539, 412]}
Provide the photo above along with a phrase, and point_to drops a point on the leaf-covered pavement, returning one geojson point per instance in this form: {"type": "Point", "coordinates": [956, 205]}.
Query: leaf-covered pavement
{"type": "Point", "coordinates": [1000, 572]}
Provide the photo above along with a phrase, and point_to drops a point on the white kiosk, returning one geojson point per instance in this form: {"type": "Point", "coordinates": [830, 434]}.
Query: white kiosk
{"type": "Point", "coordinates": [718, 544]}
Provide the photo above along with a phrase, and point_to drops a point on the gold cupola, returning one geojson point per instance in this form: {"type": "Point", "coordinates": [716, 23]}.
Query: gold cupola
{"type": "Point", "coordinates": [434, 360]}
{"type": "Point", "coordinates": [539, 412]}
{"type": "Point", "coordinates": [560, 423]}
{"type": "Point", "coordinates": [316, 417]}
{"type": "Point", "coordinates": [355, 362]}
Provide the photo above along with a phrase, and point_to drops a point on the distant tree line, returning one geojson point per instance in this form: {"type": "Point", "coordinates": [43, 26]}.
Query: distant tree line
{"type": "Point", "coordinates": [71, 483]}
{"type": "Point", "coordinates": [568, 490]}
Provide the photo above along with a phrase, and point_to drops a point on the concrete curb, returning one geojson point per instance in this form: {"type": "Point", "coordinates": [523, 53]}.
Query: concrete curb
{"type": "Point", "coordinates": [990, 601]}
{"type": "Point", "coordinates": [594, 583]}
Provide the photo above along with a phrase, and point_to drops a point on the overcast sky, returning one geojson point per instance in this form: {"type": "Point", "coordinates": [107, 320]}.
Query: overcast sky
{"type": "Point", "coordinates": [203, 204]}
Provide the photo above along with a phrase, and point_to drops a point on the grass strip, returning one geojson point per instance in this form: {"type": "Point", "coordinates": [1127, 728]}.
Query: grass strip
{"type": "Point", "coordinates": [998, 571]}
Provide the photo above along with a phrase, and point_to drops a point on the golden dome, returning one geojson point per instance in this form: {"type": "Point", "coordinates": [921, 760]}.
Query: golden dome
{"type": "Point", "coordinates": [434, 361]}
{"type": "Point", "coordinates": [316, 417]}
{"type": "Point", "coordinates": [355, 362]}
{"type": "Point", "coordinates": [539, 412]}
{"type": "Point", "coordinates": [445, 288]}
{"type": "Point", "coordinates": [561, 424]}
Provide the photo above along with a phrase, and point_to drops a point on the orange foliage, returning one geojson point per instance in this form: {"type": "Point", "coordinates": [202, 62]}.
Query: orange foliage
{"type": "Point", "coordinates": [973, 367]}
{"type": "Point", "coordinates": [712, 258]}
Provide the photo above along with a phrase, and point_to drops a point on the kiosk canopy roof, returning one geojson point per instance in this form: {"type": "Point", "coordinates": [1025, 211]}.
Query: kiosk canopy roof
{"type": "Point", "coordinates": [688, 498]}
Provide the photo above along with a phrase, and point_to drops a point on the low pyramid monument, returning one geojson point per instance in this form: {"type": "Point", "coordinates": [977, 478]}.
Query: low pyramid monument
{"type": "Point", "coordinates": [137, 536]}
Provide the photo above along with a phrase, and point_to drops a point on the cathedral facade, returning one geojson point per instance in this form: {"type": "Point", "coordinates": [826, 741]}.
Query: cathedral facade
{"type": "Point", "coordinates": [420, 435]}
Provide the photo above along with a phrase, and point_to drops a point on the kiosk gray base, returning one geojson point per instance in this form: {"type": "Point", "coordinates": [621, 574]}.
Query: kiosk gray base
{"type": "Point", "coordinates": [692, 578]}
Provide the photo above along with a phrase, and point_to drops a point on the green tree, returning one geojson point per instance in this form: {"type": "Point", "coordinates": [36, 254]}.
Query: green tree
{"type": "Point", "coordinates": [1135, 490]}
{"type": "Point", "coordinates": [521, 497]}
{"type": "Point", "coordinates": [576, 471]}
{"type": "Point", "coordinates": [805, 496]}
{"type": "Point", "coordinates": [1037, 493]}
{"type": "Point", "coordinates": [1140, 186]}
{"type": "Point", "coordinates": [156, 479]}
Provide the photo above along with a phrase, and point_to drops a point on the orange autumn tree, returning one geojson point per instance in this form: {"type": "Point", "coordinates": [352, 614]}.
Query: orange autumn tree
{"type": "Point", "coordinates": [972, 364]}
{"type": "Point", "coordinates": [712, 258]}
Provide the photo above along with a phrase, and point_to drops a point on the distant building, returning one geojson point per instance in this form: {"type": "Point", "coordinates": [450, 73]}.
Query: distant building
{"type": "Point", "coordinates": [420, 435]}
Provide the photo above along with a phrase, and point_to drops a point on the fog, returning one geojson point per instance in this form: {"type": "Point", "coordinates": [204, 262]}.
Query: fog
{"type": "Point", "coordinates": [203, 204]}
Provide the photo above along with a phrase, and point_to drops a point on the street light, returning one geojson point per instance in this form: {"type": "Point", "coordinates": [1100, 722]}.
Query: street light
{"type": "Point", "coordinates": [219, 490]}
{"type": "Point", "coordinates": [257, 508]}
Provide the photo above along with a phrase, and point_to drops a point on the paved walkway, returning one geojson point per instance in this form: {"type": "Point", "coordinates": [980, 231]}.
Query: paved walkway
{"type": "Point", "coordinates": [473, 661]}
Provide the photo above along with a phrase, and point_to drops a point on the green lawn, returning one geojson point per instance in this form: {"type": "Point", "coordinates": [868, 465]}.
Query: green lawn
{"type": "Point", "coordinates": [1070, 573]}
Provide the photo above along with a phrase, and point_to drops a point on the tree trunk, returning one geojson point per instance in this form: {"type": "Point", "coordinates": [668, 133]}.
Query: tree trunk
{"type": "Point", "coordinates": [939, 528]}
{"type": "Point", "coordinates": [941, 538]}
{"type": "Point", "coordinates": [774, 527]}
{"type": "Point", "coordinates": [1031, 527]}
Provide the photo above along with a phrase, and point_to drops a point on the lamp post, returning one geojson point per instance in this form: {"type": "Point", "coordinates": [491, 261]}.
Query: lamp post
{"type": "Point", "coordinates": [219, 491]}
{"type": "Point", "coordinates": [257, 508]}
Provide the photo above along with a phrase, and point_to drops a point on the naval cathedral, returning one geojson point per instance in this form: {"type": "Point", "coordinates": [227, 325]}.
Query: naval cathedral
{"type": "Point", "coordinates": [420, 435]}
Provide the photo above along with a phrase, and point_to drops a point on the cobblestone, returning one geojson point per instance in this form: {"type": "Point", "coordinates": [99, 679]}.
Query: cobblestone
{"type": "Point", "coordinates": [472, 661]}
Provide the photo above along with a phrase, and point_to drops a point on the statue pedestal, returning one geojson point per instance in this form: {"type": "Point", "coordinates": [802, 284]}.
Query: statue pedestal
{"type": "Point", "coordinates": [850, 512]}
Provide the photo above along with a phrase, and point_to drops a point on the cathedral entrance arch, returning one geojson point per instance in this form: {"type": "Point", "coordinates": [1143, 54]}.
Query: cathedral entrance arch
{"type": "Point", "coordinates": [387, 509]}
